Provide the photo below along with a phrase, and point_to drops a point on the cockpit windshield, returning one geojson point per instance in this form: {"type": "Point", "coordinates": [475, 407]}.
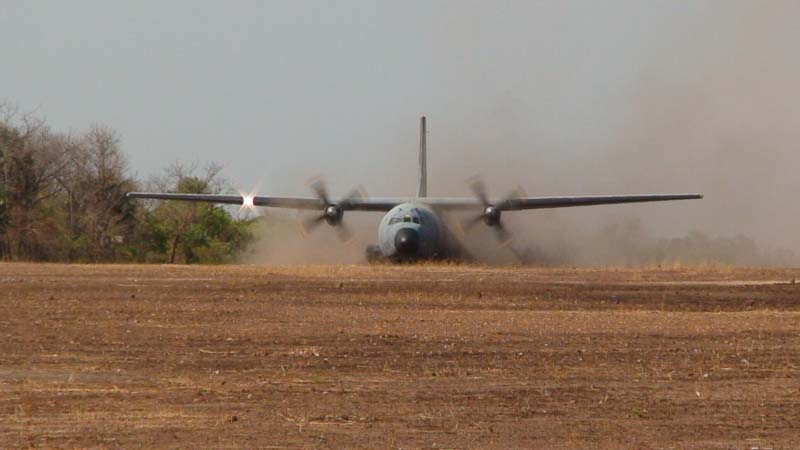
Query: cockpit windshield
{"type": "Point", "coordinates": [407, 218]}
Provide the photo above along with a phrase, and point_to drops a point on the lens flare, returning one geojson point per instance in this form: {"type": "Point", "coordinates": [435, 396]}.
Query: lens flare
{"type": "Point", "coordinates": [248, 201]}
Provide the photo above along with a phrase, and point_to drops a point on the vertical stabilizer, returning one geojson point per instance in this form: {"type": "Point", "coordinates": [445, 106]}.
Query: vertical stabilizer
{"type": "Point", "coordinates": [422, 189]}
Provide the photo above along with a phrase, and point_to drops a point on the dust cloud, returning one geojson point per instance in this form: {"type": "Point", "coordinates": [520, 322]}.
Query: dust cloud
{"type": "Point", "coordinates": [712, 109]}
{"type": "Point", "coordinates": [282, 241]}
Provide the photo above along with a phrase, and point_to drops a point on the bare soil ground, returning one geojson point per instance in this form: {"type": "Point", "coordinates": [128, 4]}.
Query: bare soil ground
{"type": "Point", "coordinates": [426, 356]}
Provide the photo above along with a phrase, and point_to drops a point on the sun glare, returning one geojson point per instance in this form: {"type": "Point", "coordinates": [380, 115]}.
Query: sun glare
{"type": "Point", "coordinates": [248, 201]}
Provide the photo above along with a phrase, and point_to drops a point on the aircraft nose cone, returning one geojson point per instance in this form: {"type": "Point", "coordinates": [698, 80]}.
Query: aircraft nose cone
{"type": "Point", "coordinates": [406, 241]}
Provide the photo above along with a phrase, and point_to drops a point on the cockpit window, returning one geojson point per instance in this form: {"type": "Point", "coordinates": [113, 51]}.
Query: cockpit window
{"type": "Point", "coordinates": [408, 218]}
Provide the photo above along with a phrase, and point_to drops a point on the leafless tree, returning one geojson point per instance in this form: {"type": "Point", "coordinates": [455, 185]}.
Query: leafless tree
{"type": "Point", "coordinates": [33, 157]}
{"type": "Point", "coordinates": [94, 182]}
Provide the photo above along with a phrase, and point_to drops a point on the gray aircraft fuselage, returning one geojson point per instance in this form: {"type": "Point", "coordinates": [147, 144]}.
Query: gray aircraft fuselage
{"type": "Point", "coordinates": [411, 231]}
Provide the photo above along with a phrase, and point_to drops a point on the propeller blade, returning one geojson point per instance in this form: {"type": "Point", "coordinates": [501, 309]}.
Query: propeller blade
{"type": "Point", "coordinates": [344, 233]}
{"type": "Point", "coordinates": [502, 234]}
{"type": "Point", "coordinates": [357, 193]}
{"type": "Point", "coordinates": [317, 185]}
{"type": "Point", "coordinates": [310, 224]}
{"type": "Point", "coordinates": [507, 202]}
{"type": "Point", "coordinates": [470, 223]}
{"type": "Point", "coordinates": [478, 189]}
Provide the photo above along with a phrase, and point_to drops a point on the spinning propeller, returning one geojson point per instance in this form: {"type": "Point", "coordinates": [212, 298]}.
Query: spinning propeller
{"type": "Point", "coordinates": [333, 212]}
{"type": "Point", "coordinates": [491, 211]}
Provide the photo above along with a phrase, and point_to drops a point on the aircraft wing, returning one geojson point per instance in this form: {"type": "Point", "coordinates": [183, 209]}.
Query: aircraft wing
{"type": "Point", "coordinates": [277, 202]}
{"type": "Point", "coordinates": [516, 204]}
{"type": "Point", "coordinates": [440, 203]}
{"type": "Point", "coordinates": [308, 203]}
{"type": "Point", "coordinates": [523, 203]}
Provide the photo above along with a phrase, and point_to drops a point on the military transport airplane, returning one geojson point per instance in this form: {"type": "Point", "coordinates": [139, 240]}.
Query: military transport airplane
{"type": "Point", "coordinates": [413, 228]}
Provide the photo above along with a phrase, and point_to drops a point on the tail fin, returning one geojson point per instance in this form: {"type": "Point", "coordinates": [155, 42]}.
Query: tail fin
{"type": "Point", "coordinates": [422, 189]}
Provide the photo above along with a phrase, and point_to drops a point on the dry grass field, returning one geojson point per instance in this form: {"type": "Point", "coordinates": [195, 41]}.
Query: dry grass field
{"type": "Point", "coordinates": [429, 356]}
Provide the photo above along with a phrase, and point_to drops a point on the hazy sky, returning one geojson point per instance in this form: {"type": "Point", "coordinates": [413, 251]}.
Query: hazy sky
{"type": "Point", "coordinates": [579, 97]}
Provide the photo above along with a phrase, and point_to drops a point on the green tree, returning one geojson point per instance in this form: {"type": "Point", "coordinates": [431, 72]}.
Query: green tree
{"type": "Point", "coordinates": [196, 232]}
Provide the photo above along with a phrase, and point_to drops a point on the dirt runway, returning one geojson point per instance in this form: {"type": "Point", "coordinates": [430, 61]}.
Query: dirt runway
{"type": "Point", "coordinates": [430, 356]}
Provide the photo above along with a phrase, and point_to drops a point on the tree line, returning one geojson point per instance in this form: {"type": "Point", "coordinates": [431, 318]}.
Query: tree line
{"type": "Point", "coordinates": [62, 198]}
